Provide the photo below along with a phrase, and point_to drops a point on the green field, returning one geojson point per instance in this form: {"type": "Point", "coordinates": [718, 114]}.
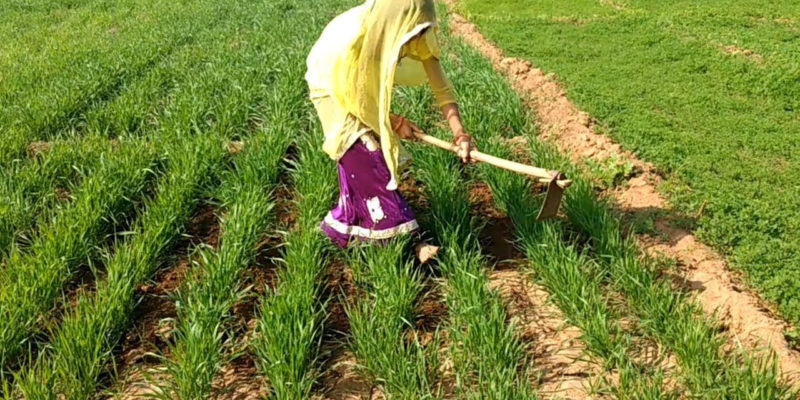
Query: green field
{"type": "Point", "coordinates": [152, 144]}
{"type": "Point", "coordinates": [707, 91]}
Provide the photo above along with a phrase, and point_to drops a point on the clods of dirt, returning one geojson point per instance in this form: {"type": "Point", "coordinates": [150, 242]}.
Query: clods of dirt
{"type": "Point", "coordinates": [342, 381]}
{"type": "Point", "coordinates": [235, 147]}
{"type": "Point", "coordinates": [497, 238]}
{"type": "Point", "coordinates": [62, 194]}
{"type": "Point", "coordinates": [734, 50]}
{"type": "Point", "coordinates": [38, 148]}
{"type": "Point", "coordinates": [482, 203]}
{"type": "Point", "coordinates": [240, 380]}
{"type": "Point", "coordinates": [204, 226]}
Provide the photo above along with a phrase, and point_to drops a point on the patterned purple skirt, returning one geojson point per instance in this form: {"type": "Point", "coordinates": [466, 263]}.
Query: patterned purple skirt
{"type": "Point", "coordinates": [366, 209]}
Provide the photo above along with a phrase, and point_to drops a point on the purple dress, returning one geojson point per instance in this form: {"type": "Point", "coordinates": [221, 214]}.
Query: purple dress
{"type": "Point", "coordinates": [366, 209]}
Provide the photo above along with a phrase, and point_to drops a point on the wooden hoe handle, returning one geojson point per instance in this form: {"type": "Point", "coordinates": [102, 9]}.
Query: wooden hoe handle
{"type": "Point", "coordinates": [543, 175]}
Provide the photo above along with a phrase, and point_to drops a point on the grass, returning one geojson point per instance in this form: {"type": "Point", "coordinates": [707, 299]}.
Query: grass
{"type": "Point", "coordinates": [291, 316]}
{"type": "Point", "coordinates": [29, 190]}
{"type": "Point", "coordinates": [381, 318]}
{"type": "Point", "coordinates": [205, 299]}
{"type": "Point", "coordinates": [664, 315]}
{"type": "Point", "coordinates": [81, 346]}
{"type": "Point", "coordinates": [721, 126]}
{"type": "Point", "coordinates": [31, 283]}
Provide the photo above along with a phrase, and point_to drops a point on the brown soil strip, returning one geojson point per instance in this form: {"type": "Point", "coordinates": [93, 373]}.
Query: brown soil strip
{"type": "Point", "coordinates": [561, 369]}
{"type": "Point", "coordinates": [135, 359]}
{"type": "Point", "coordinates": [717, 288]}
{"type": "Point", "coordinates": [340, 378]}
{"type": "Point", "coordinates": [733, 50]}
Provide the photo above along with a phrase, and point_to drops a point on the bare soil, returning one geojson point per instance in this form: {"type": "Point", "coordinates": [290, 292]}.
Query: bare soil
{"type": "Point", "coordinates": [734, 50]}
{"type": "Point", "coordinates": [341, 378]}
{"type": "Point", "coordinates": [716, 287]}
{"type": "Point", "coordinates": [561, 369]}
{"type": "Point", "coordinates": [38, 148]}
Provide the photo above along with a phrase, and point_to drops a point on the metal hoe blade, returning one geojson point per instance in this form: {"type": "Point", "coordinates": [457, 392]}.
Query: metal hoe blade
{"type": "Point", "coordinates": [552, 199]}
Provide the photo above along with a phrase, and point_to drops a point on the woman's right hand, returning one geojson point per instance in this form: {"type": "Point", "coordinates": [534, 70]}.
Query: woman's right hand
{"type": "Point", "coordinates": [404, 128]}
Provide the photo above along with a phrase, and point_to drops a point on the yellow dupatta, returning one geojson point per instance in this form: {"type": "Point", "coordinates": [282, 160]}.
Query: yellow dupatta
{"type": "Point", "coordinates": [362, 71]}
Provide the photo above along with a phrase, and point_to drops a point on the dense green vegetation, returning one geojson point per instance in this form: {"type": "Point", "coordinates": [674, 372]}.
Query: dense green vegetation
{"type": "Point", "coordinates": [207, 296]}
{"type": "Point", "coordinates": [82, 344]}
{"type": "Point", "coordinates": [291, 317]}
{"type": "Point", "coordinates": [379, 320]}
{"type": "Point", "coordinates": [708, 91]}
{"type": "Point", "coordinates": [584, 280]}
{"type": "Point", "coordinates": [32, 282]}
{"type": "Point", "coordinates": [31, 189]}
{"type": "Point", "coordinates": [118, 121]}
{"type": "Point", "coordinates": [52, 78]}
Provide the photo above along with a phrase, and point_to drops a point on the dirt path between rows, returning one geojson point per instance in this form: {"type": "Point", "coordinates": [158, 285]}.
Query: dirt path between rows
{"type": "Point", "coordinates": [717, 288]}
{"type": "Point", "coordinates": [141, 371]}
{"type": "Point", "coordinates": [560, 366]}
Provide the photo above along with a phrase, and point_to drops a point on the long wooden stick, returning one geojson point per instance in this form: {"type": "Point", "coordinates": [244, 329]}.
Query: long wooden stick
{"type": "Point", "coordinates": [543, 175]}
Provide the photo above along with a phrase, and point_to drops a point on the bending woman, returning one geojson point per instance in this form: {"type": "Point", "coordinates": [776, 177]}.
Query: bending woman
{"type": "Point", "coordinates": [352, 69]}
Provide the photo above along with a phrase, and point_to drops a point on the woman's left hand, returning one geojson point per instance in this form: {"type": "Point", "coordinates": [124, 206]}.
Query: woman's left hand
{"type": "Point", "coordinates": [465, 146]}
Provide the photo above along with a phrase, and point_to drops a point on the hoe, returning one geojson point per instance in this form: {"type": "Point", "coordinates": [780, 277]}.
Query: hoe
{"type": "Point", "coordinates": [556, 181]}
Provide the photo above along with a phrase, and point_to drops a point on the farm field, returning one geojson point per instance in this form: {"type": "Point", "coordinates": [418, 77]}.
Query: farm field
{"type": "Point", "coordinates": [162, 183]}
{"type": "Point", "coordinates": [709, 95]}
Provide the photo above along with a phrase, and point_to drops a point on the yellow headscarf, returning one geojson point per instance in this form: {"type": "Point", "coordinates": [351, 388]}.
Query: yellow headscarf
{"type": "Point", "coordinates": [363, 75]}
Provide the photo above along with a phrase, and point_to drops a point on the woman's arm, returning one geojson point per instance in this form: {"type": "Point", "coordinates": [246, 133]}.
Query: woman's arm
{"type": "Point", "coordinates": [453, 118]}
{"type": "Point", "coordinates": [445, 96]}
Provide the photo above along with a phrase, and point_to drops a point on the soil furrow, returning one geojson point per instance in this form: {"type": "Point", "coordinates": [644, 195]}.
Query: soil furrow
{"type": "Point", "coordinates": [560, 367]}
{"type": "Point", "coordinates": [718, 289]}
{"type": "Point", "coordinates": [340, 378]}
{"type": "Point", "coordinates": [135, 360]}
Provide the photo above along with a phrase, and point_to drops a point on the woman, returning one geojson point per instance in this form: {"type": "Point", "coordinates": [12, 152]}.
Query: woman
{"type": "Point", "coordinates": [352, 69]}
